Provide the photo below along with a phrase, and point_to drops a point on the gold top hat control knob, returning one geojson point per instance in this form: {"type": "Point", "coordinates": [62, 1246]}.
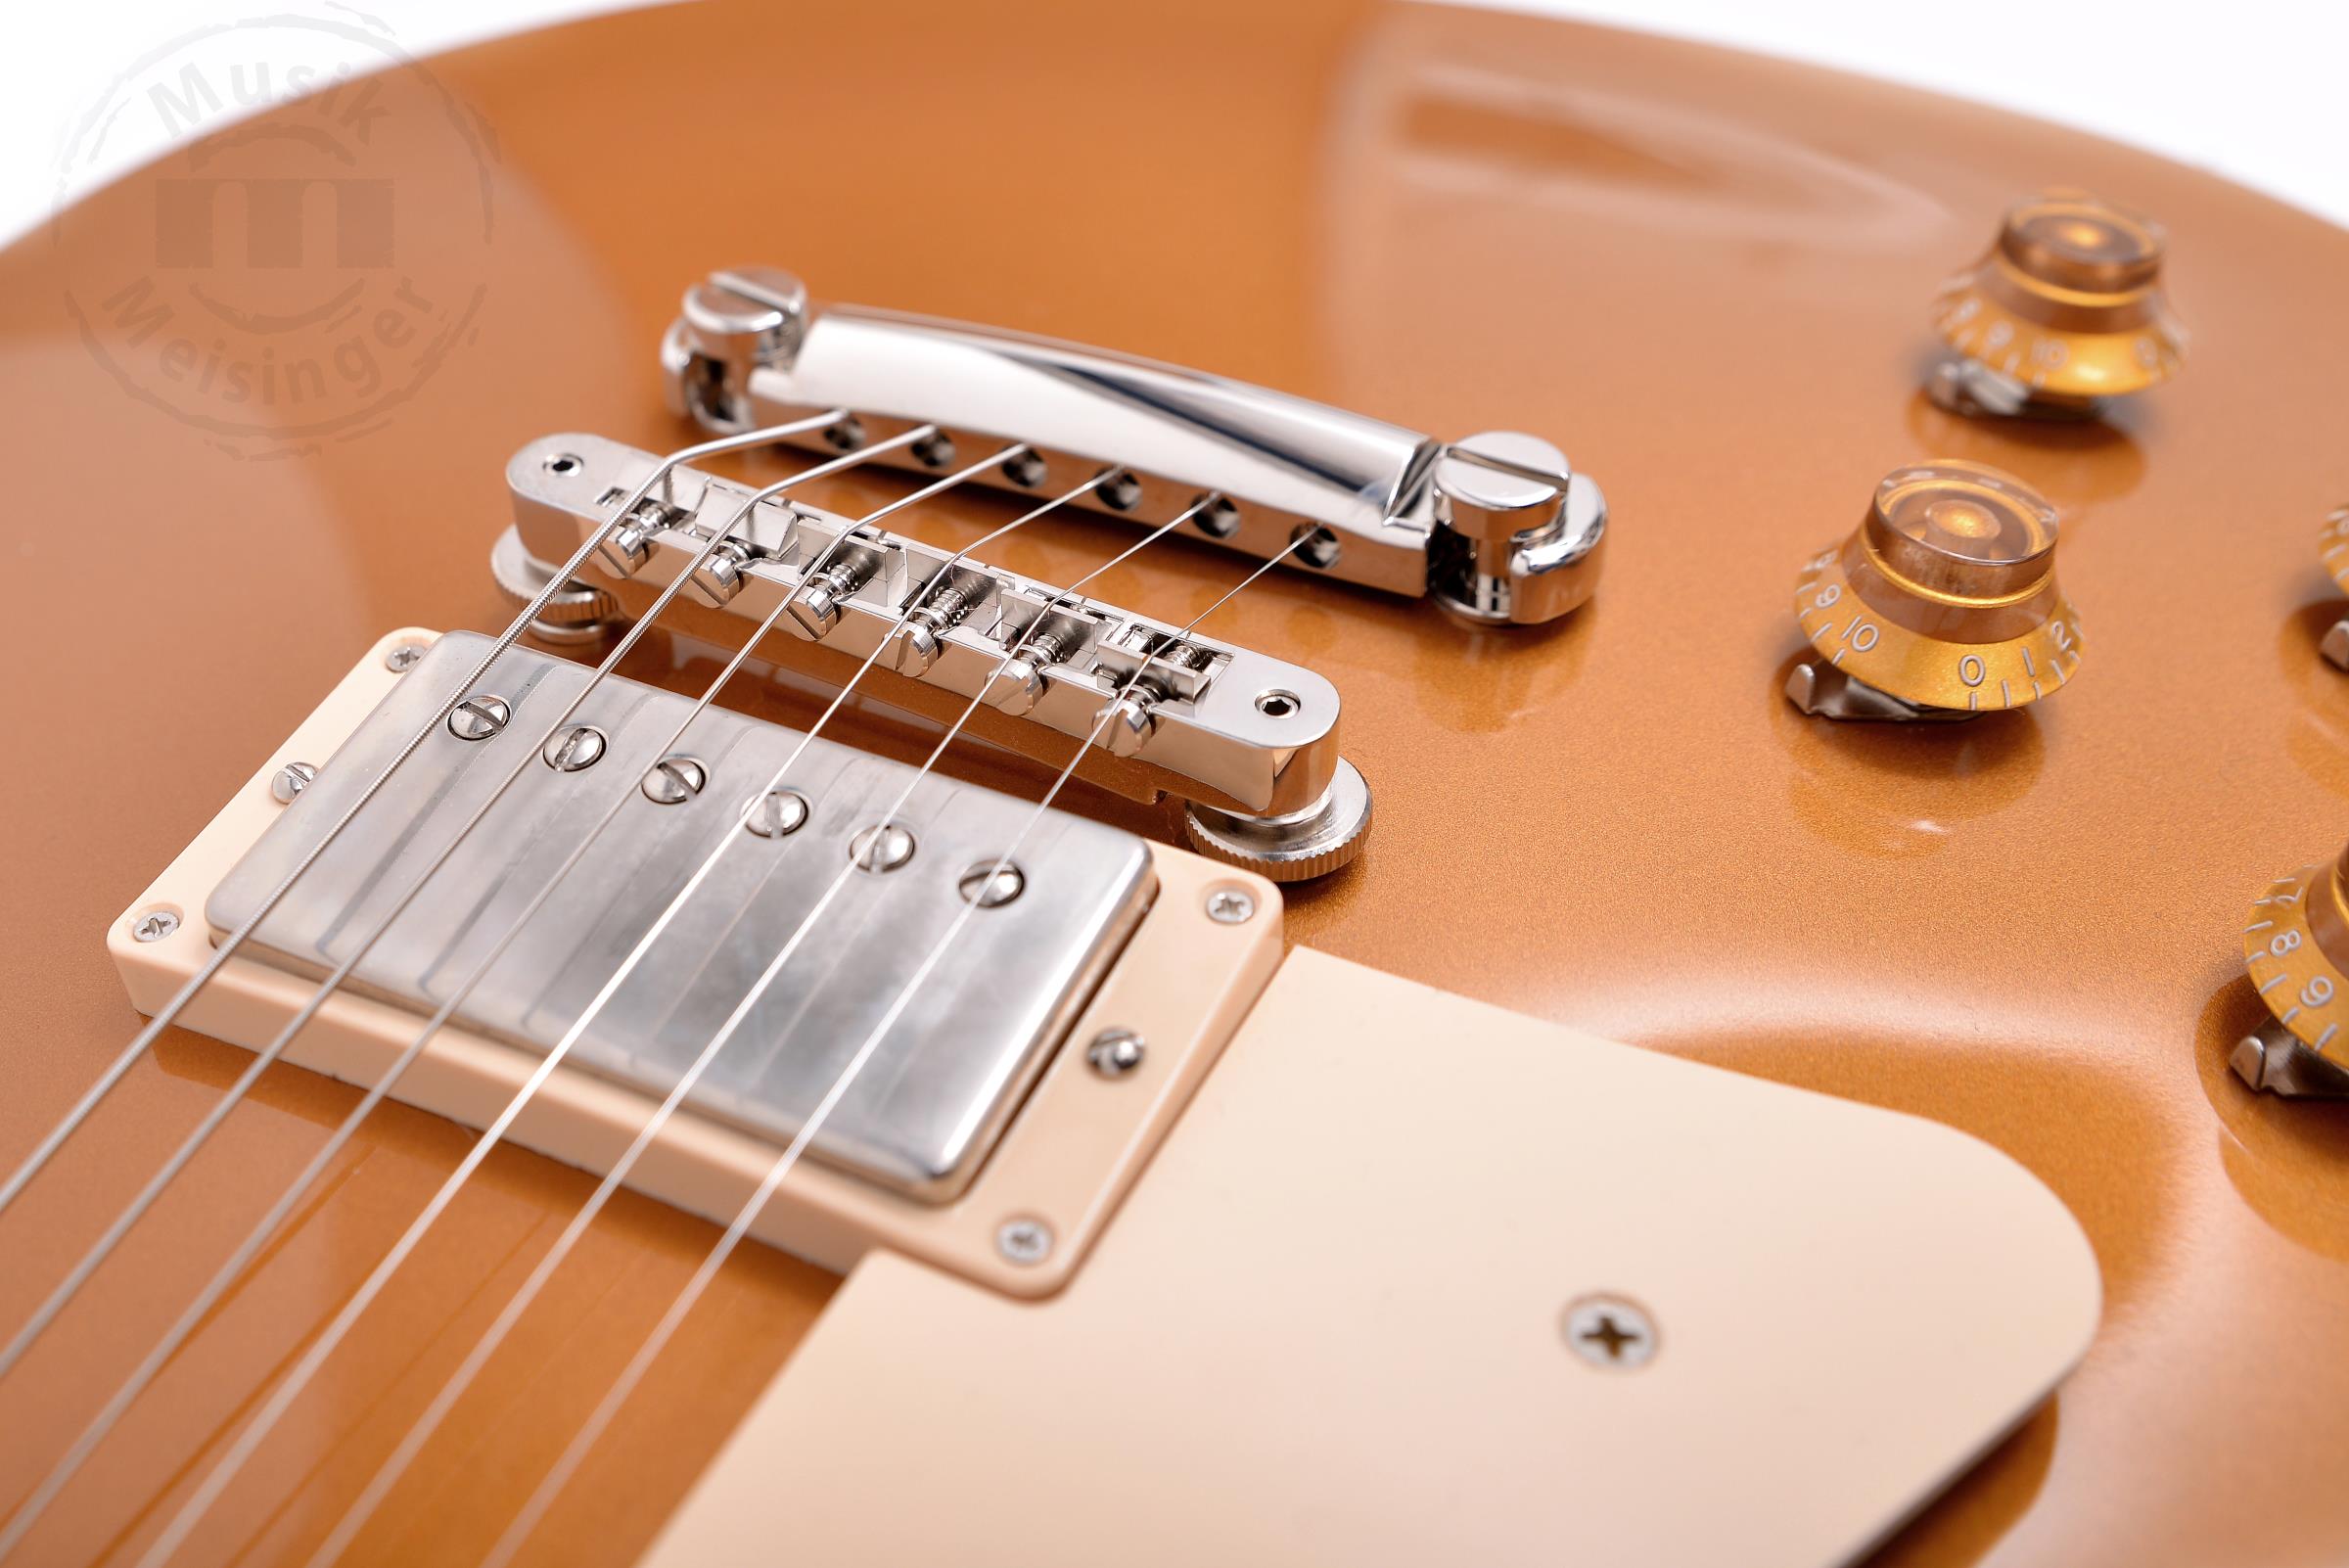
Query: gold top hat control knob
{"type": "Point", "coordinates": [1941, 605]}
{"type": "Point", "coordinates": [2332, 549]}
{"type": "Point", "coordinates": [2066, 312]}
{"type": "Point", "coordinates": [2296, 947]}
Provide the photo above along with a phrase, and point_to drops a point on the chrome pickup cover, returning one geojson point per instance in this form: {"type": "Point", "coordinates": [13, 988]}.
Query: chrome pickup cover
{"type": "Point", "coordinates": [925, 1108]}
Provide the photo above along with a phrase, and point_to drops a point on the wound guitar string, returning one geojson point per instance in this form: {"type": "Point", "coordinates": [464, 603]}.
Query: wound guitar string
{"type": "Point", "coordinates": [28, 1512]}
{"type": "Point", "coordinates": [248, 1440]}
{"type": "Point", "coordinates": [148, 1195]}
{"type": "Point", "coordinates": [575, 1452]}
{"type": "Point", "coordinates": [421, 1430]}
{"type": "Point", "coordinates": [146, 1037]}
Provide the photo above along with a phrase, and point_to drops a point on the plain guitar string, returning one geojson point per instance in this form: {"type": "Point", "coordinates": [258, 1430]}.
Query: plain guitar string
{"type": "Point", "coordinates": [75, 1457]}
{"type": "Point", "coordinates": [30, 1511]}
{"type": "Point", "coordinates": [298, 1377]}
{"type": "Point", "coordinates": [228, 947]}
{"type": "Point", "coordinates": [548, 1489]}
{"type": "Point", "coordinates": [421, 1430]}
{"type": "Point", "coordinates": [148, 1195]}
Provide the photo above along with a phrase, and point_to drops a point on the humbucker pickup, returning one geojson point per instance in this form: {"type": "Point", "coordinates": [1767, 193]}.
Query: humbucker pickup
{"type": "Point", "coordinates": [918, 1118]}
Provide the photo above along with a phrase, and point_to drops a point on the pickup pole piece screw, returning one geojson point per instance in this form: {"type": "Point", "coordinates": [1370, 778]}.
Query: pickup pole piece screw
{"type": "Point", "coordinates": [476, 718]}
{"type": "Point", "coordinates": [991, 884]}
{"type": "Point", "coordinates": [674, 779]}
{"type": "Point", "coordinates": [290, 780]}
{"type": "Point", "coordinates": [779, 813]}
{"type": "Point", "coordinates": [1610, 1331]}
{"type": "Point", "coordinates": [1025, 1241]}
{"type": "Point", "coordinates": [883, 847]}
{"type": "Point", "coordinates": [1230, 906]}
{"type": "Point", "coordinates": [581, 746]}
{"type": "Point", "coordinates": [1116, 1052]}
{"type": "Point", "coordinates": [155, 924]}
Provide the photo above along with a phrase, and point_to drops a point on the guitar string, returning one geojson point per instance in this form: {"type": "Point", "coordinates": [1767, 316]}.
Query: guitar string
{"type": "Point", "coordinates": [387, 1474]}
{"type": "Point", "coordinates": [575, 1453]}
{"type": "Point", "coordinates": [152, 1192]}
{"type": "Point", "coordinates": [20, 1522]}
{"type": "Point", "coordinates": [248, 1440]}
{"type": "Point", "coordinates": [64, 1128]}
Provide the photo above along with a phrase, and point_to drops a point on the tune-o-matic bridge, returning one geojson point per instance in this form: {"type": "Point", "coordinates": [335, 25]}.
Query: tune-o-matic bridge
{"type": "Point", "coordinates": [1497, 528]}
{"type": "Point", "coordinates": [1248, 743]}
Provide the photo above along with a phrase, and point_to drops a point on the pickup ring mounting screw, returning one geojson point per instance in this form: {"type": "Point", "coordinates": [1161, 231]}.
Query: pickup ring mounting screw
{"type": "Point", "coordinates": [403, 656]}
{"type": "Point", "coordinates": [1025, 1242]}
{"type": "Point", "coordinates": [1116, 1052]}
{"type": "Point", "coordinates": [1230, 906]}
{"type": "Point", "coordinates": [155, 924]}
{"type": "Point", "coordinates": [290, 780]}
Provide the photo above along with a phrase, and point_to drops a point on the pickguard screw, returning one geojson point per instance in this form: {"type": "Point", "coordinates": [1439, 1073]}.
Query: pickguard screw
{"type": "Point", "coordinates": [674, 779]}
{"type": "Point", "coordinates": [405, 658]}
{"type": "Point", "coordinates": [1610, 1331]}
{"type": "Point", "coordinates": [290, 780]}
{"type": "Point", "coordinates": [154, 925]}
{"type": "Point", "coordinates": [1230, 906]}
{"type": "Point", "coordinates": [577, 747]}
{"type": "Point", "coordinates": [1025, 1242]}
{"type": "Point", "coordinates": [991, 884]}
{"type": "Point", "coordinates": [476, 718]}
{"type": "Point", "coordinates": [1116, 1052]}
{"type": "Point", "coordinates": [779, 813]}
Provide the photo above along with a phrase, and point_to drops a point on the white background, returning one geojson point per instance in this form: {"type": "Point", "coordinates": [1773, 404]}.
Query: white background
{"type": "Point", "coordinates": [2251, 89]}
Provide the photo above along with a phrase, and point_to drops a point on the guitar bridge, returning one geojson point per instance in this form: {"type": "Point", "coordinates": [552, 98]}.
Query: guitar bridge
{"type": "Point", "coordinates": [1247, 743]}
{"type": "Point", "coordinates": [1497, 529]}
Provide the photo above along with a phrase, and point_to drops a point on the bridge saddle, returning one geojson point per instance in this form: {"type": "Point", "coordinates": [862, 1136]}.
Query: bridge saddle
{"type": "Point", "coordinates": [1247, 743]}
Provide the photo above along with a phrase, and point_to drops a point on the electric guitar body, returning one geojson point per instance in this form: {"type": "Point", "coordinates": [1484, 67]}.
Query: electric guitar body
{"type": "Point", "coordinates": [1707, 277]}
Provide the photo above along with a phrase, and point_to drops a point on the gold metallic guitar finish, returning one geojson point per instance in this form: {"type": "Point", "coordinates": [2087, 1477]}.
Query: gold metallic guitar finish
{"type": "Point", "coordinates": [1709, 277]}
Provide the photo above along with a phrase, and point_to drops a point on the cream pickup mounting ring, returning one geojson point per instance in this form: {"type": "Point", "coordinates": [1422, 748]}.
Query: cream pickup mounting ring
{"type": "Point", "coordinates": [1497, 528]}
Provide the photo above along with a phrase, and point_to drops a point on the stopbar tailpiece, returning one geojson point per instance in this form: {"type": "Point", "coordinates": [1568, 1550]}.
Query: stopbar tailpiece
{"type": "Point", "coordinates": [1497, 528]}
